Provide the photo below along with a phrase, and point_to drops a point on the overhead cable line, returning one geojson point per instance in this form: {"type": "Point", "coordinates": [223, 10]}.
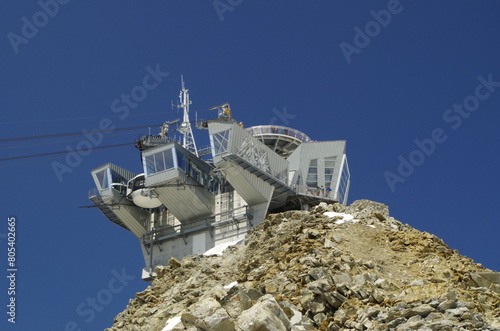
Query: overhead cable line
{"type": "Point", "coordinates": [73, 133]}
{"type": "Point", "coordinates": [70, 134]}
{"type": "Point", "coordinates": [77, 118]}
{"type": "Point", "coordinates": [59, 141]}
{"type": "Point", "coordinates": [62, 152]}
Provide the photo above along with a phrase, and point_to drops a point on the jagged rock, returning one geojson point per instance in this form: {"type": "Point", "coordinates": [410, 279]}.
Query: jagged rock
{"type": "Point", "coordinates": [266, 314]}
{"type": "Point", "coordinates": [422, 310]}
{"type": "Point", "coordinates": [208, 315]}
{"type": "Point", "coordinates": [341, 278]}
{"type": "Point", "coordinates": [291, 311]}
{"type": "Point", "coordinates": [302, 270]}
{"type": "Point", "coordinates": [335, 299]}
{"type": "Point", "coordinates": [385, 284]}
{"type": "Point", "coordinates": [174, 263]}
{"type": "Point", "coordinates": [447, 304]}
{"type": "Point", "coordinates": [319, 286]}
{"type": "Point", "coordinates": [317, 305]}
{"type": "Point", "coordinates": [378, 295]}
{"type": "Point", "coordinates": [489, 280]}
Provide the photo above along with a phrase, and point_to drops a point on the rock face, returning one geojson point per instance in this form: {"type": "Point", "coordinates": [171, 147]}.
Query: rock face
{"type": "Point", "coordinates": [332, 268]}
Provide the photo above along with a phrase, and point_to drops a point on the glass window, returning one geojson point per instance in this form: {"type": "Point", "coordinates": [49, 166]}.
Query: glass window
{"type": "Point", "coordinates": [312, 174]}
{"type": "Point", "coordinates": [181, 161]}
{"type": "Point", "coordinates": [160, 161]}
{"type": "Point", "coordinates": [220, 142]}
{"type": "Point", "coordinates": [329, 169]}
{"type": "Point", "coordinates": [103, 178]}
{"type": "Point", "coordinates": [344, 183]}
{"type": "Point", "coordinates": [116, 178]}
{"type": "Point", "coordinates": [169, 159]}
{"type": "Point", "coordinates": [299, 180]}
{"type": "Point", "coordinates": [149, 164]}
{"type": "Point", "coordinates": [330, 162]}
{"type": "Point", "coordinates": [139, 183]}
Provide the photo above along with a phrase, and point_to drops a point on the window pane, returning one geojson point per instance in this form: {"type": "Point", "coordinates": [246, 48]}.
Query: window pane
{"type": "Point", "coordinates": [181, 161]}
{"type": "Point", "coordinates": [220, 142]}
{"type": "Point", "coordinates": [299, 180]}
{"type": "Point", "coordinates": [159, 163]}
{"type": "Point", "coordinates": [116, 178]}
{"type": "Point", "coordinates": [312, 174]}
{"type": "Point", "coordinates": [102, 177]}
{"type": "Point", "coordinates": [169, 159]}
{"type": "Point", "coordinates": [149, 165]}
{"type": "Point", "coordinates": [312, 181]}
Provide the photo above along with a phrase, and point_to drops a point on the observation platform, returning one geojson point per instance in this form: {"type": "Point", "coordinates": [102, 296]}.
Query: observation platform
{"type": "Point", "coordinates": [281, 139]}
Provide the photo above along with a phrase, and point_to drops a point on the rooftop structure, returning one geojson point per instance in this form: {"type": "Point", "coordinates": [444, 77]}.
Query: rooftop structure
{"type": "Point", "coordinates": [185, 204]}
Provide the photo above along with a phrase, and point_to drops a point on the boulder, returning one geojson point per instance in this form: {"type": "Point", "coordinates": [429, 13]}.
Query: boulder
{"type": "Point", "coordinates": [208, 314]}
{"type": "Point", "coordinates": [265, 315]}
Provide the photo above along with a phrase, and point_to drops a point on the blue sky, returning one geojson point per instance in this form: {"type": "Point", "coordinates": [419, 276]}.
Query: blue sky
{"type": "Point", "coordinates": [413, 86]}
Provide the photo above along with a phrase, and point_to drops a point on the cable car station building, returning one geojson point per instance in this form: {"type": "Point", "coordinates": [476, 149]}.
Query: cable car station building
{"type": "Point", "coordinates": [188, 201]}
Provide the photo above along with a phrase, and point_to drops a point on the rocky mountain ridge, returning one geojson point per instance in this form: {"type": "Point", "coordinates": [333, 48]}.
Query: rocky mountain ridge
{"type": "Point", "coordinates": [334, 267]}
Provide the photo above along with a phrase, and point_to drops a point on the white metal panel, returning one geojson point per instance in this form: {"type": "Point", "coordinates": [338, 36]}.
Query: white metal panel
{"type": "Point", "coordinates": [186, 204]}
{"type": "Point", "coordinates": [200, 243]}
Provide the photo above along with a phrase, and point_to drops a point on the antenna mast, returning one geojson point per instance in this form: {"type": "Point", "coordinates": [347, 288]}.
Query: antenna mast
{"type": "Point", "coordinates": [185, 127]}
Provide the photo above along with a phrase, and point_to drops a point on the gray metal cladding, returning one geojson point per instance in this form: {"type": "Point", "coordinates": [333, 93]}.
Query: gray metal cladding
{"type": "Point", "coordinates": [134, 218]}
{"type": "Point", "coordinates": [251, 188]}
{"type": "Point", "coordinates": [301, 158]}
{"type": "Point", "coordinates": [241, 141]}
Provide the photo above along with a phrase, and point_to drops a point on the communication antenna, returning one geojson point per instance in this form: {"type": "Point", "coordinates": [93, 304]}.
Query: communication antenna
{"type": "Point", "coordinates": [165, 126]}
{"type": "Point", "coordinates": [185, 127]}
{"type": "Point", "coordinates": [223, 111]}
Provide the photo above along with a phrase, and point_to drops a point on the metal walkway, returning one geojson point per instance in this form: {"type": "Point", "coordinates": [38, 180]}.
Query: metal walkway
{"type": "Point", "coordinates": [272, 180]}
{"type": "Point", "coordinates": [108, 212]}
{"type": "Point", "coordinates": [178, 231]}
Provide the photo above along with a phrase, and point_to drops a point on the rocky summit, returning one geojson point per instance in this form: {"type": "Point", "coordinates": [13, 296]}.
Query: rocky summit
{"type": "Point", "coordinates": [334, 267]}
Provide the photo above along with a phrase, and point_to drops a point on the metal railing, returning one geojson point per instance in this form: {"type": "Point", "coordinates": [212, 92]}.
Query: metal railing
{"type": "Point", "coordinates": [183, 230]}
{"type": "Point", "coordinates": [316, 192]}
{"type": "Point", "coordinates": [206, 150]}
{"type": "Point", "coordinates": [278, 130]}
{"type": "Point", "coordinates": [94, 193]}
